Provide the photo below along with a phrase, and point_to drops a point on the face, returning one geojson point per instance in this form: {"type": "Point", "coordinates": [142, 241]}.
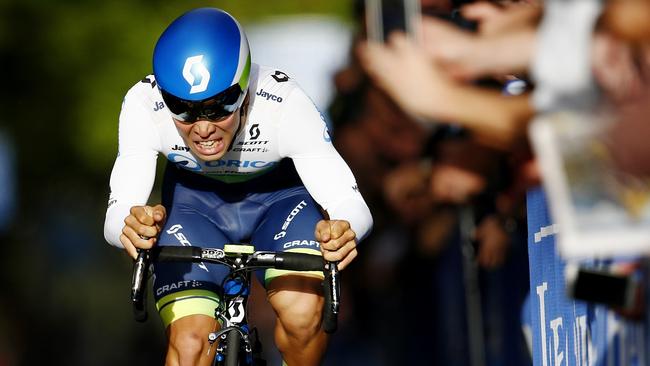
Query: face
{"type": "Point", "coordinates": [209, 140]}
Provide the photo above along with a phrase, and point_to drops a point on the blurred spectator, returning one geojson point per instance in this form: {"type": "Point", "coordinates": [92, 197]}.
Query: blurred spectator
{"type": "Point", "coordinates": [622, 68]}
{"type": "Point", "coordinates": [606, 70]}
{"type": "Point", "coordinates": [494, 120]}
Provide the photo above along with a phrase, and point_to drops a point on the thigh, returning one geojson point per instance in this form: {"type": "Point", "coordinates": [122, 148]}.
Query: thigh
{"type": "Point", "coordinates": [182, 289]}
{"type": "Point", "coordinates": [289, 225]}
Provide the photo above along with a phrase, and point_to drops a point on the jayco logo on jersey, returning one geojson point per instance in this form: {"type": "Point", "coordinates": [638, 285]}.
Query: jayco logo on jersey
{"type": "Point", "coordinates": [158, 106]}
{"type": "Point", "coordinates": [194, 67]}
{"type": "Point", "coordinates": [180, 148]}
{"type": "Point", "coordinates": [269, 96]}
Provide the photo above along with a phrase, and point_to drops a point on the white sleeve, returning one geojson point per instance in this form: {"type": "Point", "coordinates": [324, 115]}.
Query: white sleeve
{"type": "Point", "coordinates": [303, 137]}
{"type": "Point", "coordinates": [134, 170]}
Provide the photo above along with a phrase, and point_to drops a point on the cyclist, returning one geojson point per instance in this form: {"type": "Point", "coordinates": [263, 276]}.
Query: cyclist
{"type": "Point", "coordinates": [249, 159]}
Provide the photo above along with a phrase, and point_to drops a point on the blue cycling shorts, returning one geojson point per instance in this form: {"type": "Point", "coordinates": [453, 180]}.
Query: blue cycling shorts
{"type": "Point", "coordinates": [271, 212]}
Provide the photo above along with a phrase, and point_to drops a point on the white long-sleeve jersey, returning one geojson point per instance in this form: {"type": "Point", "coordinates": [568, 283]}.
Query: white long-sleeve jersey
{"type": "Point", "coordinates": [282, 123]}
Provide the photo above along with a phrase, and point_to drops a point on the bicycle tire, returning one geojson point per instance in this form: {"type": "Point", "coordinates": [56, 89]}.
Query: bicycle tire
{"type": "Point", "coordinates": [233, 343]}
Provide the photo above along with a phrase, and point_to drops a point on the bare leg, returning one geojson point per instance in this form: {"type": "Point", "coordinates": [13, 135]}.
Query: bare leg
{"type": "Point", "coordinates": [188, 341]}
{"type": "Point", "coordinates": [298, 304]}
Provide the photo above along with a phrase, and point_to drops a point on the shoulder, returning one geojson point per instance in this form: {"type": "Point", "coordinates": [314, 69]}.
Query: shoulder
{"type": "Point", "coordinates": [274, 87]}
{"type": "Point", "coordinates": [143, 111]}
{"type": "Point", "coordinates": [143, 100]}
{"type": "Point", "coordinates": [145, 92]}
{"type": "Point", "coordinates": [271, 85]}
{"type": "Point", "coordinates": [268, 75]}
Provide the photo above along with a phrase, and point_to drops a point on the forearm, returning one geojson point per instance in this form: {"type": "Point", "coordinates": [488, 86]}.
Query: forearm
{"type": "Point", "coordinates": [494, 119]}
{"type": "Point", "coordinates": [509, 53]}
{"type": "Point", "coordinates": [331, 183]}
{"type": "Point", "coordinates": [355, 211]}
{"type": "Point", "coordinates": [114, 222]}
{"type": "Point", "coordinates": [131, 183]}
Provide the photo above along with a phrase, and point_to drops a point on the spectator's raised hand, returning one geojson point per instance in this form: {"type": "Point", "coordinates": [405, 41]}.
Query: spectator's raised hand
{"type": "Point", "coordinates": [494, 19]}
{"type": "Point", "coordinates": [449, 46]}
{"type": "Point", "coordinates": [406, 73]}
{"type": "Point", "coordinates": [465, 55]}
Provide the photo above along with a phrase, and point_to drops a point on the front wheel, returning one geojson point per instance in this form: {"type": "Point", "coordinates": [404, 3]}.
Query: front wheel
{"type": "Point", "coordinates": [233, 342]}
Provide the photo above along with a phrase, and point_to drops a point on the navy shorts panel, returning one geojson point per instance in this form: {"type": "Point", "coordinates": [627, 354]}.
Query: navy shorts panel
{"type": "Point", "coordinates": [207, 213]}
{"type": "Point", "coordinates": [289, 224]}
{"type": "Point", "coordinates": [183, 228]}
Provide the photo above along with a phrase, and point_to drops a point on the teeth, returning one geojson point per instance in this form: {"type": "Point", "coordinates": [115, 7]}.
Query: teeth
{"type": "Point", "coordinates": [207, 143]}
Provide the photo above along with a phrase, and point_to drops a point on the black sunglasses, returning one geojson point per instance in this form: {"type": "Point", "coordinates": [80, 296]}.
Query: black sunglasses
{"type": "Point", "coordinates": [214, 108]}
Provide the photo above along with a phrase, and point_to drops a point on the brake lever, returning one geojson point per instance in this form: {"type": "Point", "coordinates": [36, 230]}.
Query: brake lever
{"type": "Point", "coordinates": [138, 285]}
{"type": "Point", "coordinates": [333, 278]}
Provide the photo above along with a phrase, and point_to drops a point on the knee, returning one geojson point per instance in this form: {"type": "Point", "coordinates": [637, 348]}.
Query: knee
{"type": "Point", "coordinates": [187, 345]}
{"type": "Point", "coordinates": [303, 319]}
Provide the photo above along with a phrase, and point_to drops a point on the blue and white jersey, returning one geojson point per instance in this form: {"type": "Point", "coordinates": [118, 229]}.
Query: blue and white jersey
{"type": "Point", "coordinates": [282, 122]}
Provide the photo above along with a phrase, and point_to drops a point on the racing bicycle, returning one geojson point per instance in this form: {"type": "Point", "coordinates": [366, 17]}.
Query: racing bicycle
{"type": "Point", "coordinates": [235, 343]}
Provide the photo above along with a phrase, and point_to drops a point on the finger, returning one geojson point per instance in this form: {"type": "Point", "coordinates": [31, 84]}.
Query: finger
{"type": "Point", "coordinates": [159, 213]}
{"type": "Point", "coordinates": [335, 244]}
{"type": "Point", "coordinates": [373, 57]}
{"type": "Point", "coordinates": [397, 38]}
{"type": "Point", "coordinates": [341, 253]}
{"type": "Point", "coordinates": [400, 43]}
{"type": "Point", "coordinates": [128, 246]}
{"type": "Point", "coordinates": [433, 28]}
{"type": "Point", "coordinates": [148, 231]}
{"type": "Point", "coordinates": [142, 214]}
{"type": "Point", "coordinates": [160, 217]}
{"type": "Point", "coordinates": [338, 228]}
{"type": "Point", "coordinates": [349, 258]}
{"type": "Point", "coordinates": [322, 232]}
{"type": "Point", "coordinates": [136, 239]}
{"type": "Point", "coordinates": [479, 11]}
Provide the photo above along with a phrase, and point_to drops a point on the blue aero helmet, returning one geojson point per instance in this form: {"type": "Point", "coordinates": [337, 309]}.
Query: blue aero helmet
{"type": "Point", "coordinates": [202, 65]}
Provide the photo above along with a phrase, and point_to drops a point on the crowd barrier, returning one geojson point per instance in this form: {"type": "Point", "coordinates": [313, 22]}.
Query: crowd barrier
{"type": "Point", "coordinates": [567, 332]}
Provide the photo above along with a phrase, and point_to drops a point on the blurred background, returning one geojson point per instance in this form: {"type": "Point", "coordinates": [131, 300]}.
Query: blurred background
{"type": "Point", "coordinates": [441, 280]}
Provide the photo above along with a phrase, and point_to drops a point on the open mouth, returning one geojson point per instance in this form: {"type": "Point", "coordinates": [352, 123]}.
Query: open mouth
{"type": "Point", "coordinates": [209, 147]}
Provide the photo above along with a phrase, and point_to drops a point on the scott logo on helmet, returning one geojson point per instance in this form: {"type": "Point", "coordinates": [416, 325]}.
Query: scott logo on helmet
{"type": "Point", "coordinates": [194, 67]}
